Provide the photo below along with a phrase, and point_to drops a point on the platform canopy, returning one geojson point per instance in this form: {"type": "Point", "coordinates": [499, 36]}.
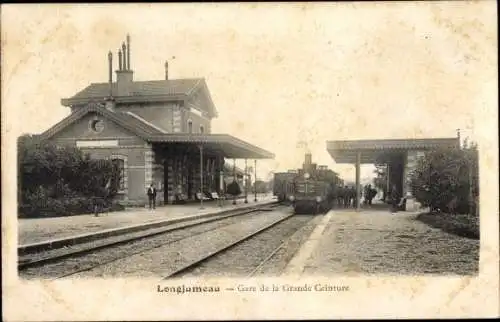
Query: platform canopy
{"type": "Point", "coordinates": [376, 150]}
{"type": "Point", "coordinates": [223, 144]}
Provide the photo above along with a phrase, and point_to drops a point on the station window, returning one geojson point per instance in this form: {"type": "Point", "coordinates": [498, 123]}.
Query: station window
{"type": "Point", "coordinates": [121, 164]}
{"type": "Point", "coordinates": [202, 129]}
{"type": "Point", "coordinates": [190, 126]}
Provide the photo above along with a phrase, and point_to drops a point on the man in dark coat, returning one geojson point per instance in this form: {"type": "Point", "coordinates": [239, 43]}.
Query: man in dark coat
{"type": "Point", "coordinates": [394, 199]}
{"type": "Point", "coordinates": [367, 194]}
{"type": "Point", "coordinates": [373, 193]}
{"type": "Point", "coordinates": [152, 196]}
{"type": "Point", "coordinates": [354, 196]}
{"type": "Point", "coordinates": [340, 196]}
{"type": "Point", "coordinates": [347, 197]}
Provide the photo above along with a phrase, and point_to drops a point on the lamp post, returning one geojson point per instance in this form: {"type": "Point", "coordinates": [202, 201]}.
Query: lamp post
{"type": "Point", "coordinates": [245, 183]}
{"type": "Point", "coordinates": [255, 180]}
{"type": "Point", "coordinates": [221, 186]}
{"type": "Point", "coordinates": [234, 179]}
{"type": "Point", "coordinates": [201, 176]}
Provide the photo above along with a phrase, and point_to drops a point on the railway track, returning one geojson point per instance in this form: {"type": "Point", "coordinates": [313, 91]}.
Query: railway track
{"type": "Point", "coordinates": [265, 252]}
{"type": "Point", "coordinates": [182, 269]}
{"type": "Point", "coordinates": [40, 259]}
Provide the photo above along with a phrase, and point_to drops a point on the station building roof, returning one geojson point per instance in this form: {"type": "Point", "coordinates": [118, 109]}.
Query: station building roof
{"type": "Point", "coordinates": [223, 144]}
{"type": "Point", "coordinates": [345, 151]}
{"type": "Point", "coordinates": [144, 91]}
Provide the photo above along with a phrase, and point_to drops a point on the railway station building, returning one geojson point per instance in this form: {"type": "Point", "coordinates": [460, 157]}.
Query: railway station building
{"type": "Point", "coordinates": [399, 155]}
{"type": "Point", "coordinates": [157, 131]}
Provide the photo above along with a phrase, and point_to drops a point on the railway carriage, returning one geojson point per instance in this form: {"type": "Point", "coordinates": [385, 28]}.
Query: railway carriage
{"type": "Point", "coordinates": [284, 185]}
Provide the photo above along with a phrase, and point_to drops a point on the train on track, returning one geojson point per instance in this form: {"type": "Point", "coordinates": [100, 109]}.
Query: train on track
{"type": "Point", "coordinates": [310, 189]}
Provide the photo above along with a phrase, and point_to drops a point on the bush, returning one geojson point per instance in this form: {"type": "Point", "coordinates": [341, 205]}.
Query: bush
{"type": "Point", "coordinates": [58, 181]}
{"type": "Point", "coordinates": [445, 174]}
{"type": "Point", "coordinates": [233, 189]}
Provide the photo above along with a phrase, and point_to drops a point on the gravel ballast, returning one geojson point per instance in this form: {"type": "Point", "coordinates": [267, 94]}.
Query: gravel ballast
{"type": "Point", "coordinates": [167, 258]}
{"type": "Point", "coordinates": [244, 259]}
{"type": "Point", "coordinates": [88, 261]}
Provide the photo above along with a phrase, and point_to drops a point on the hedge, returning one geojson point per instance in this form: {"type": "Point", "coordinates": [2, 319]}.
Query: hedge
{"type": "Point", "coordinates": [63, 181]}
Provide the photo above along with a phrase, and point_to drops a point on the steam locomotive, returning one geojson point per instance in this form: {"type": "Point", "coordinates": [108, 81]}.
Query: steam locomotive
{"type": "Point", "coordinates": [310, 189]}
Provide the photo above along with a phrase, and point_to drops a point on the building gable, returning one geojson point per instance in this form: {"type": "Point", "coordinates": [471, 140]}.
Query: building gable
{"type": "Point", "coordinates": [95, 121]}
{"type": "Point", "coordinates": [200, 102]}
{"type": "Point", "coordinates": [94, 126]}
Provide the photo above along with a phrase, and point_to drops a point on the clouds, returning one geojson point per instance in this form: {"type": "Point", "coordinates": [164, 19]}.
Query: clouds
{"type": "Point", "coordinates": [277, 73]}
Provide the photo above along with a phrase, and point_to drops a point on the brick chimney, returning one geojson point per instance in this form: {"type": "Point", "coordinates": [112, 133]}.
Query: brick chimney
{"type": "Point", "coordinates": [110, 105]}
{"type": "Point", "coordinates": [124, 75]}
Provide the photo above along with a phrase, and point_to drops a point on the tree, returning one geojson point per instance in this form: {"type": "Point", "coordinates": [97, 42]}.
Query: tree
{"type": "Point", "coordinates": [233, 189]}
{"type": "Point", "coordinates": [60, 179]}
{"type": "Point", "coordinates": [445, 174]}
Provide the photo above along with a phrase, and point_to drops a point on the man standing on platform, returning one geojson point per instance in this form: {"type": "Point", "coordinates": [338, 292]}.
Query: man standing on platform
{"type": "Point", "coordinates": [152, 196]}
{"type": "Point", "coordinates": [394, 198]}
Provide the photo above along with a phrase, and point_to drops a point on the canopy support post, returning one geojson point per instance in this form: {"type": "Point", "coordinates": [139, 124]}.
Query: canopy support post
{"type": "Point", "coordinates": [221, 182]}
{"type": "Point", "coordinates": [201, 176]}
{"type": "Point", "coordinates": [255, 180]}
{"type": "Point", "coordinates": [234, 179]}
{"type": "Point", "coordinates": [388, 183]}
{"type": "Point", "coordinates": [245, 181]}
{"type": "Point", "coordinates": [358, 188]}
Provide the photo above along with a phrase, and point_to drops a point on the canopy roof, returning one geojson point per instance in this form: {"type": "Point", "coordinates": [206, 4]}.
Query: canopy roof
{"type": "Point", "coordinates": [372, 150]}
{"type": "Point", "coordinates": [223, 144]}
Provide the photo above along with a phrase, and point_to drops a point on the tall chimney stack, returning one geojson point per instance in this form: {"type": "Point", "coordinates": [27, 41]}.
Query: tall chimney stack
{"type": "Point", "coordinates": [119, 59]}
{"type": "Point", "coordinates": [124, 50]}
{"type": "Point", "coordinates": [109, 102]}
{"type": "Point", "coordinates": [124, 76]}
{"type": "Point", "coordinates": [166, 70]}
{"type": "Point", "coordinates": [128, 52]}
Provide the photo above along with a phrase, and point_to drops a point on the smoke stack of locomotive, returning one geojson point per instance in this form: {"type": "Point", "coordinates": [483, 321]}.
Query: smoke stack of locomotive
{"type": "Point", "coordinates": [307, 166]}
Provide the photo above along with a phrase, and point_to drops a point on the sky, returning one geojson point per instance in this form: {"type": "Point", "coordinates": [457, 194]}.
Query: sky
{"type": "Point", "coordinates": [285, 77]}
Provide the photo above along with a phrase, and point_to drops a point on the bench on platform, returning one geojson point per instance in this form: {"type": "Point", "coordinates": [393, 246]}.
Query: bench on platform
{"type": "Point", "coordinates": [402, 204]}
{"type": "Point", "coordinates": [200, 196]}
{"type": "Point", "coordinates": [180, 198]}
{"type": "Point", "coordinates": [214, 196]}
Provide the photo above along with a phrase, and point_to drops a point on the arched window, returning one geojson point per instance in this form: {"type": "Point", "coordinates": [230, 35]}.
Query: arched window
{"type": "Point", "coordinates": [121, 163]}
{"type": "Point", "coordinates": [202, 129]}
{"type": "Point", "coordinates": [121, 166]}
{"type": "Point", "coordinates": [190, 126]}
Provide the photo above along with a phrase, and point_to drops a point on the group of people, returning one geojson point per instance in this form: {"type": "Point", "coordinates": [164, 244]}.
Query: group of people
{"type": "Point", "coordinates": [345, 196]}
{"type": "Point", "coordinates": [369, 193]}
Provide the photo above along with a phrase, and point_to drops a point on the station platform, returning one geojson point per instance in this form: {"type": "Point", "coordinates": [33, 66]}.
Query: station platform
{"type": "Point", "coordinates": [38, 230]}
{"type": "Point", "coordinates": [374, 241]}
